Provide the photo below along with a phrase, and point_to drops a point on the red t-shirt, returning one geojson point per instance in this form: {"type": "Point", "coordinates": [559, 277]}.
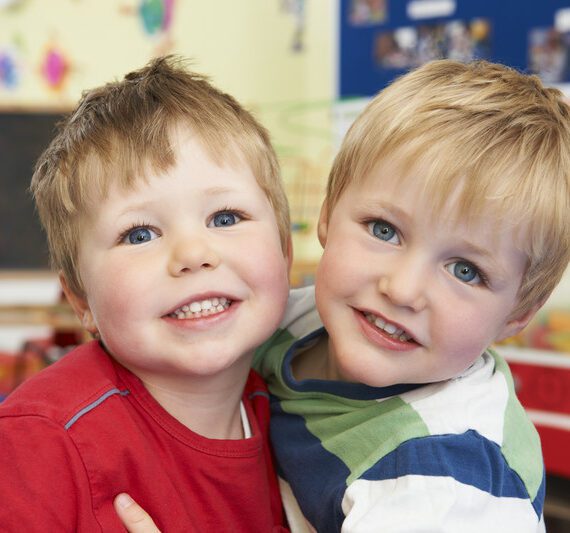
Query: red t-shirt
{"type": "Point", "coordinates": [85, 429]}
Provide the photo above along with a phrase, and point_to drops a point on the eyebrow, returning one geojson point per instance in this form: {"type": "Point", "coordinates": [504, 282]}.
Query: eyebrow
{"type": "Point", "coordinates": [141, 206]}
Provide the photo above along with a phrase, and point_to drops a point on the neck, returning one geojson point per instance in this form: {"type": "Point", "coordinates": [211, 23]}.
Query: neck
{"type": "Point", "coordinates": [313, 363]}
{"type": "Point", "coordinates": [214, 415]}
{"type": "Point", "coordinates": [207, 405]}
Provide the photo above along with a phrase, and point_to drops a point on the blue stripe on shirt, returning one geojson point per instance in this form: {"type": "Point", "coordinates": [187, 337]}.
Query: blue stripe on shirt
{"type": "Point", "coordinates": [469, 458]}
{"type": "Point", "coordinates": [313, 472]}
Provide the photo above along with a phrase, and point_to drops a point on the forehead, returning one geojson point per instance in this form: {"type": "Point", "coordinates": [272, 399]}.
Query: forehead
{"type": "Point", "coordinates": [127, 172]}
{"type": "Point", "coordinates": [445, 202]}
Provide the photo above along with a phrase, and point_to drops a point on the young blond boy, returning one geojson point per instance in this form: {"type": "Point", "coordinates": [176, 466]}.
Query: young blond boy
{"type": "Point", "coordinates": [445, 227]}
{"type": "Point", "coordinates": [166, 218]}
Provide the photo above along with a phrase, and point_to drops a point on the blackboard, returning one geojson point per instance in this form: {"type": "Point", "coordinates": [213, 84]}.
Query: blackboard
{"type": "Point", "coordinates": [23, 137]}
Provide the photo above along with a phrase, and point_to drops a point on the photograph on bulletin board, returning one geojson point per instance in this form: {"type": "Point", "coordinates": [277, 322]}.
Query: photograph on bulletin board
{"type": "Point", "coordinates": [549, 54]}
{"type": "Point", "coordinates": [366, 12]}
{"type": "Point", "coordinates": [410, 46]}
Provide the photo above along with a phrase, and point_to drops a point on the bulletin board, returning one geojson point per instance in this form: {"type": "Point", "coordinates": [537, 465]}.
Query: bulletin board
{"type": "Point", "coordinates": [382, 39]}
{"type": "Point", "coordinates": [23, 137]}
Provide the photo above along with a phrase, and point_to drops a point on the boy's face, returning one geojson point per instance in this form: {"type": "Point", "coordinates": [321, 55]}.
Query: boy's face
{"type": "Point", "coordinates": [183, 275]}
{"type": "Point", "coordinates": [408, 297]}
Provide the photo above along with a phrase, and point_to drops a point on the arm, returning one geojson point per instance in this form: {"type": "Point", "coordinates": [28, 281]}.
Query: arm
{"type": "Point", "coordinates": [447, 484]}
{"type": "Point", "coordinates": [133, 516]}
{"type": "Point", "coordinates": [43, 485]}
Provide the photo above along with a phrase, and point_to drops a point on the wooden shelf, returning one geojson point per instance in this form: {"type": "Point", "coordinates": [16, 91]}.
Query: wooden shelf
{"type": "Point", "coordinates": [58, 316]}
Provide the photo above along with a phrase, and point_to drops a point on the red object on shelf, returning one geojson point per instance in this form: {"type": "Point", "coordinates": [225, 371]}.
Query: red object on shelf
{"type": "Point", "coordinates": [542, 383]}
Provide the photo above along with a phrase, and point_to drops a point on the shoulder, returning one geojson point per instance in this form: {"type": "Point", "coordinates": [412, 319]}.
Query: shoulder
{"type": "Point", "coordinates": [477, 419]}
{"type": "Point", "coordinates": [60, 390]}
{"type": "Point", "coordinates": [468, 466]}
{"type": "Point", "coordinates": [481, 399]}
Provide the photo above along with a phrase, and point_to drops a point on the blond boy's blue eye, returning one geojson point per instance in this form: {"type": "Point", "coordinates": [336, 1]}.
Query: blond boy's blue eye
{"type": "Point", "coordinates": [140, 235]}
{"type": "Point", "coordinates": [225, 218]}
{"type": "Point", "coordinates": [464, 271]}
{"type": "Point", "coordinates": [383, 231]}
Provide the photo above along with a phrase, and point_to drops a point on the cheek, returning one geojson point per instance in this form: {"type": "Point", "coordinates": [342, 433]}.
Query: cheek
{"type": "Point", "coordinates": [115, 296]}
{"type": "Point", "coordinates": [271, 275]}
{"type": "Point", "coordinates": [464, 335]}
{"type": "Point", "coordinates": [261, 260]}
{"type": "Point", "coordinates": [339, 271]}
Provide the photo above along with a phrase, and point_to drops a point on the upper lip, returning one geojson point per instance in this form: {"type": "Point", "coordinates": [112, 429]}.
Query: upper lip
{"type": "Point", "coordinates": [199, 298]}
{"type": "Point", "coordinates": [389, 320]}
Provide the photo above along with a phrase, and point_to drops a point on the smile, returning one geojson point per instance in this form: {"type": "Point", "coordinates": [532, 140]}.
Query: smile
{"type": "Point", "coordinates": [392, 330]}
{"type": "Point", "coordinates": [202, 308]}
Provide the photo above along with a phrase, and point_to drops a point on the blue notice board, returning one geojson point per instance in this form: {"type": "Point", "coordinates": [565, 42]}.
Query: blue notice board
{"type": "Point", "coordinates": [382, 39]}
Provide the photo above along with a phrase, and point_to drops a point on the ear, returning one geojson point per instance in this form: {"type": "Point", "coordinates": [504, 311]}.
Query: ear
{"type": "Point", "coordinates": [513, 326]}
{"type": "Point", "coordinates": [323, 224]}
{"type": "Point", "coordinates": [79, 305]}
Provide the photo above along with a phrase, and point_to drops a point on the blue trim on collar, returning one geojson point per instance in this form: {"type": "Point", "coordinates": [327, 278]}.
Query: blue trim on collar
{"type": "Point", "coordinates": [352, 391]}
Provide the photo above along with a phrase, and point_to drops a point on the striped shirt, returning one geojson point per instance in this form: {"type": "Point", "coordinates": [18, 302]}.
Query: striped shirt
{"type": "Point", "coordinates": [459, 455]}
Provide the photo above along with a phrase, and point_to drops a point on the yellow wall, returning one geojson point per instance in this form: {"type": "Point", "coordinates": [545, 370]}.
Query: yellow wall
{"type": "Point", "coordinates": [245, 46]}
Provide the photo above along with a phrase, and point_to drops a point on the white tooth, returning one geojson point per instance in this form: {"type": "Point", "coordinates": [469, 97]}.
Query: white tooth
{"type": "Point", "coordinates": [215, 302]}
{"type": "Point", "coordinates": [220, 308]}
{"type": "Point", "coordinates": [223, 300]}
{"type": "Point", "coordinates": [195, 307]}
{"type": "Point", "coordinates": [206, 304]}
{"type": "Point", "coordinates": [185, 308]}
{"type": "Point", "coordinates": [379, 323]}
{"type": "Point", "coordinates": [398, 332]}
{"type": "Point", "coordinates": [188, 314]}
{"type": "Point", "coordinates": [390, 329]}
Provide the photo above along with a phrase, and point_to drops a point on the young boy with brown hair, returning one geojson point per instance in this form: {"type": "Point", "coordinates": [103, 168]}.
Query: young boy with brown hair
{"type": "Point", "coordinates": [445, 227]}
{"type": "Point", "coordinates": [166, 218]}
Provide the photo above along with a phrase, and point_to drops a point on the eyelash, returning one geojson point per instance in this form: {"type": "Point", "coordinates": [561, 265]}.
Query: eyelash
{"type": "Point", "coordinates": [368, 221]}
{"type": "Point", "coordinates": [240, 214]}
{"type": "Point", "coordinates": [482, 276]}
{"type": "Point", "coordinates": [133, 227]}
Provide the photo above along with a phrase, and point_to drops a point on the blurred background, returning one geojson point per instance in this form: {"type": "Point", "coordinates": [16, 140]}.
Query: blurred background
{"type": "Point", "coordinates": [305, 68]}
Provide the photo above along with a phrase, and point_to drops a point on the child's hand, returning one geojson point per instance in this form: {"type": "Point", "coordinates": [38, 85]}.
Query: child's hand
{"type": "Point", "coordinates": [133, 516]}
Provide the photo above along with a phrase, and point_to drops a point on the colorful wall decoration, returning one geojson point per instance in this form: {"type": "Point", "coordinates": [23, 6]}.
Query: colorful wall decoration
{"type": "Point", "coordinates": [276, 56]}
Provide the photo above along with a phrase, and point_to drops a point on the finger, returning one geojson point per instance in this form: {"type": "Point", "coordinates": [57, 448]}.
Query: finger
{"type": "Point", "coordinates": [133, 516]}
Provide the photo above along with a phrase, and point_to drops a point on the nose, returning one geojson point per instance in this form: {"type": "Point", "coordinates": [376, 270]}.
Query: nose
{"type": "Point", "coordinates": [192, 255]}
{"type": "Point", "coordinates": [405, 284]}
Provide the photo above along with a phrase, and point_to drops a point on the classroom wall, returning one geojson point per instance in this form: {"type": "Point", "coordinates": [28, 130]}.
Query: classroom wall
{"type": "Point", "coordinates": [276, 56]}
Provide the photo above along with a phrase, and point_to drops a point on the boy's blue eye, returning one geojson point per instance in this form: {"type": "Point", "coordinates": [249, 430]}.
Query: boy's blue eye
{"type": "Point", "coordinates": [139, 235]}
{"type": "Point", "coordinates": [383, 230]}
{"type": "Point", "coordinates": [225, 218]}
{"type": "Point", "coordinates": [465, 272]}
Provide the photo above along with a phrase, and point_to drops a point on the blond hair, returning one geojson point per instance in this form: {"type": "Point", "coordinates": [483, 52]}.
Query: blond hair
{"type": "Point", "coordinates": [121, 130]}
{"type": "Point", "coordinates": [499, 136]}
